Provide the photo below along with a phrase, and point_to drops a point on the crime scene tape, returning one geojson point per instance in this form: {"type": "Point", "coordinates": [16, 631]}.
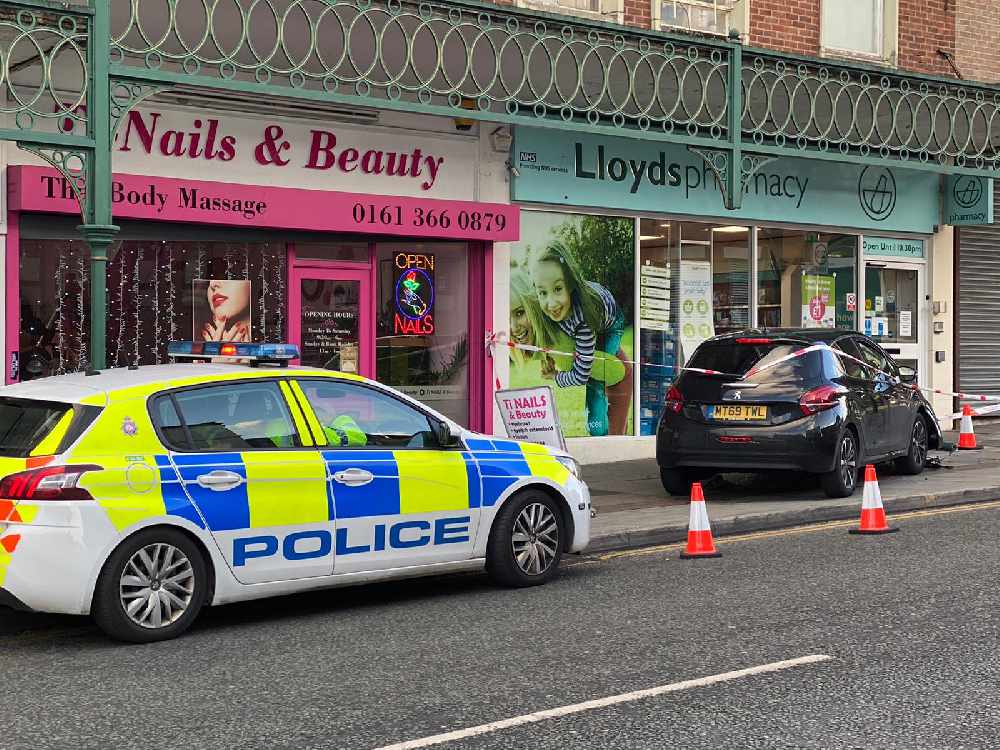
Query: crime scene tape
{"type": "Point", "coordinates": [500, 338]}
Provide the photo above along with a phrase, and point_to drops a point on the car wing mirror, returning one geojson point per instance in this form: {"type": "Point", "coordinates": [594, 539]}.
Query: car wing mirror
{"type": "Point", "coordinates": [907, 374]}
{"type": "Point", "coordinates": [445, 438]}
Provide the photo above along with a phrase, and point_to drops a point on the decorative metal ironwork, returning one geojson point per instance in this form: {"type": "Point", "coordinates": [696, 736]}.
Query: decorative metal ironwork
{"type": "Point", "coordinates": [127, 94]}
{"type": "Point", "coordinates": [444, 57]}
{"type": "Point", "coordinates": [44, 76]}
{"type": "Point", "coordinates": [810, 107]}
{"type": "Point", "coordinates": [719, 161]}
{"type": "Point", "coordinates": [73, 164]}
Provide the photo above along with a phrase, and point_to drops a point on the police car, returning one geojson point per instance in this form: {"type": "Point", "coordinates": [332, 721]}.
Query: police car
{"type": "Point", "coordinates": [141, 495]}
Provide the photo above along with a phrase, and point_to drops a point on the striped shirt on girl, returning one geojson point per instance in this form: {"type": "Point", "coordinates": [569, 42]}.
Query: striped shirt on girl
{"type": "Point", "coordinates": [585, 339]}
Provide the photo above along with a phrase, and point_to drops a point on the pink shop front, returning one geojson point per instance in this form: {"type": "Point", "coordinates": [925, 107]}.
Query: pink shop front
{"type": "Point", "coordinates": [394, 288]}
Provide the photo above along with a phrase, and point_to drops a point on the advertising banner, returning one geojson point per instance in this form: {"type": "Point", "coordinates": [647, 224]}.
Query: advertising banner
{"type": "Point", "coordinates": [818, 308]}
{"type": "Point", "coordinates": [529, 414]}
{"type": "Point", "coordinates": [643, 175]}
{"type": "Point", "coordinates": [697, 323]}
{"type": "Point", "coordinates": [221, 310]}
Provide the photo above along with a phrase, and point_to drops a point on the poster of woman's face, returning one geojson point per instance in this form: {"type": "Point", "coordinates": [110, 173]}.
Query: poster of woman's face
{"type": "Point", "coordinates": [221, 310]}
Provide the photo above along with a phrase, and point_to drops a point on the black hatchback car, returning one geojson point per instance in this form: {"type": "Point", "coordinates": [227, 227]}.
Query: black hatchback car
{"type": "Point", "coordinates": [820, 412]}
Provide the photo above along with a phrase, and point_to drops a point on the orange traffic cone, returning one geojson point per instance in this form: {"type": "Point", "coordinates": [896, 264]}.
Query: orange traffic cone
{"type": "Point", "coordinates": [699, 542]}
{"type": "Point", "coordinates": [967, 436]}
{"type": "Point", "coordinates": [872, 513]}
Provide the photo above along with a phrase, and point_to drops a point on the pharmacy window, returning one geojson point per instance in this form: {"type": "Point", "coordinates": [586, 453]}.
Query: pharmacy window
{"type": "Point", "coordinates": [612, 11]}
{"type": "Point", "coordinates": [859, 28]}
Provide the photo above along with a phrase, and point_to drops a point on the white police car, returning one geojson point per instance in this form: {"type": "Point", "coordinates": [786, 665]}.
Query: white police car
{"type": "Point", "coordinates": [140, 495]}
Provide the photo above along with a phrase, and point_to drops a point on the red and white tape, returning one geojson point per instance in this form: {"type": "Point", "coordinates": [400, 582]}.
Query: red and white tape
{"type": "Point", "coordinates": [492, 339]}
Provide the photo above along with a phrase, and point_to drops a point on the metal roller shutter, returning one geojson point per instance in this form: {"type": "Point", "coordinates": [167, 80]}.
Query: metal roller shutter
{"type": "Point", "coordinates": [979, 307]}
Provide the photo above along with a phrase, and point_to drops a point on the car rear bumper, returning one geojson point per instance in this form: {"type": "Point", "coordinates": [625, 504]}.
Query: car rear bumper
{"type": "Point", "coordinates": [808, 444]}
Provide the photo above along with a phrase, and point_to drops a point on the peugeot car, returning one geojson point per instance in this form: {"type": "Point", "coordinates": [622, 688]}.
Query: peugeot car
{"type": "Point", "coordinates": [746, 404]}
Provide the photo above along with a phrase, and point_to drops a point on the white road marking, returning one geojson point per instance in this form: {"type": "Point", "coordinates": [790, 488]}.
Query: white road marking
{"type": "Point", "coordinates": [611, 700]}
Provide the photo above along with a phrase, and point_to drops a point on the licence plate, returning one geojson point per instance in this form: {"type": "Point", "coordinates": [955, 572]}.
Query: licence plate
{"type": "Point", "coordinates": [734, 413]}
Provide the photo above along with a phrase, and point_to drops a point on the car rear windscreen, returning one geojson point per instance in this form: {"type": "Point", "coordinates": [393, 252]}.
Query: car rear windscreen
{"type": "Point", "coordinates": [24, 423]}
{"type": "Point", "coordinates": [737, 359]}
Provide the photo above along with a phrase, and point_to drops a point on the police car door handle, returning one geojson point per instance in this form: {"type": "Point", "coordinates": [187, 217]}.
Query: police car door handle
{"type": "Point", "coordinates": [353, 477]}
{"type": "Point", "coordinates": [219, 480]}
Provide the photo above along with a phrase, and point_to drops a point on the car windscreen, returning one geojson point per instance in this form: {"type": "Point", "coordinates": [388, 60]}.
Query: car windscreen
{"type": "Point", "coordinates": [24, 423]}
{"type": "Point", "coordinates": [738, 359]}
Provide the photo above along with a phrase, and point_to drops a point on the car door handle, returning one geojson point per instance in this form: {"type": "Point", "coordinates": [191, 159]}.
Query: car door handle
{"type": "Point", "coordinates": [219, 480]}
{"type": "Point", "coordinates": [353, 477]}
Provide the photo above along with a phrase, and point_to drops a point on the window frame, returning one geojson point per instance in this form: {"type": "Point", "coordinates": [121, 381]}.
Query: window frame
{"type": "Point", "coordinates": [610, 11]}
{"type": "Point", "coordinates": [170, 394]}
{"type": "Point", "coordinates": [415, 406]}
{"type": "Point", "coordinates": [737, 18]}
{"type": "Point", "coordinates": [888, 36]}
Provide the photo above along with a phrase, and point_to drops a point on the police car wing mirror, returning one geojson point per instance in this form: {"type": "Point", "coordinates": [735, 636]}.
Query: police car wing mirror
{"type": "Point", "coordinates": [442, 431]}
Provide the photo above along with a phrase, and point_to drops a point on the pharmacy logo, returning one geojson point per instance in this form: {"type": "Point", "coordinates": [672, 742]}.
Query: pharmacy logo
{"type": "Point", "coordinates": [877, 192]}
{"type": "Point", "coordinates": [967, 191]}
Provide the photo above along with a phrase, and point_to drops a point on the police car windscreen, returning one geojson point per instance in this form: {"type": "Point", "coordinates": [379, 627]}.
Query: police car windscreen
{"type": "Point", "coordinates": [24, 423]}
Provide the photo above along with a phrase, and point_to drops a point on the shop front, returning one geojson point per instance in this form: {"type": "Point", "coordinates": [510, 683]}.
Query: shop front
{"type": "Point", "coordinates": [364, 246]}
{"type": "Point", "coordinates": [823, 245]}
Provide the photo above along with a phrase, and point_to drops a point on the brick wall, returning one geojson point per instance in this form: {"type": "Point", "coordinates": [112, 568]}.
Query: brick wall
{"type": "Point", "coordinates": [785, 25]}
{"type": "Point", "coordinates": [639, 13]}
{"type": "Point", "coordinates": [926, 26]}
{"type": "Point", "coordinates": [977, 32]}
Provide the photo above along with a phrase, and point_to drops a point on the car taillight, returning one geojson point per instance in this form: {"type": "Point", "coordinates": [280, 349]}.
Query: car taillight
{"type": "Point", "coordinates": [49, 483]}
{"type": "Point", "coordinates": [754, 342]}
{"type": "Point", "coordinates": [820, 399]}
{"type": "Point", "coordinates": [675, 400]}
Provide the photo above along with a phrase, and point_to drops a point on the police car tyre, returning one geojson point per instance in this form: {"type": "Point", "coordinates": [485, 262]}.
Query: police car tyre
{"type": "Point", "coordinates": [526, 542]}
{"type": "Point", "coordinates": [151, 588]}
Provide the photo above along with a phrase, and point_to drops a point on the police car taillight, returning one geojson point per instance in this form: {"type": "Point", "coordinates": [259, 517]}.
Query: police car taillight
{"type": "Point", "coordinates": [47, 483]}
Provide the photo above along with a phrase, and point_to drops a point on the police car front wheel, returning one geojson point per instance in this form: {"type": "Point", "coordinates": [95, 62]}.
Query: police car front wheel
{"type": "Point", "coordinates": [526, 543]}
{"type": "Point", "coordinates": [151, 588]}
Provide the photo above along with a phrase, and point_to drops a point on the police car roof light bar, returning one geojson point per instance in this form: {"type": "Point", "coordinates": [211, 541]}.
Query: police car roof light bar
{"type": "Point", "coordinates": [254, 354]}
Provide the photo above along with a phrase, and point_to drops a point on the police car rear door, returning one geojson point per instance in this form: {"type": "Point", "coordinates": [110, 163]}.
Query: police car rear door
{"type": "Point", "coordinates": [248, 462]}
{"type": "Point", "coordinates": [399, 498]}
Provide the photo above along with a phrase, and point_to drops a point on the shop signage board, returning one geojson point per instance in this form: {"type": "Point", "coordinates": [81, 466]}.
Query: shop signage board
{"type": "Point", "coordinates": [890, 247]}
{"type": "Point", "coordinates": [199, 202]}
{"type": "Point", "coordinates": [645, 175]}
{"type": "Point", "coordinates": [530, 414]}
{"type": "Point", "coordinates": [968, 200]}
{"type": "Point", "coordinates": [316, 155]}
{"type": "Point", "coordinates": [654, 297]}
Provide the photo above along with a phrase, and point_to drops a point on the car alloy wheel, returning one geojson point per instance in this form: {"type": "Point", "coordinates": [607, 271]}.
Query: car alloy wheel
{"type": "Point", "coordinates": [156, 586]}
{"type": "Point", "coordinates": [918, 447]}
{"type": "Point", "coordinates": [535, 539]}
{"type": "Point", "coordinates": [848, 461]}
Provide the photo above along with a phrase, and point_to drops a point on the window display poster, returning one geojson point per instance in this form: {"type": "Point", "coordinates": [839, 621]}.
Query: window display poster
{"type": "Point", "coordinates": [818, 308]}
{"type": "Point", "coordinates": [572, 290]}
{"type": "Point", "coordinates": [221, 310]}
{"type": "Point", "coordinates": [696, 321]}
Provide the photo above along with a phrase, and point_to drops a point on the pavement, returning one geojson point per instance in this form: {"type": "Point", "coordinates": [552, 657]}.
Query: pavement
{"type": "Point", "coordinates": [634, 510]}
{"type": "Point", "coordinates": [908, 622]}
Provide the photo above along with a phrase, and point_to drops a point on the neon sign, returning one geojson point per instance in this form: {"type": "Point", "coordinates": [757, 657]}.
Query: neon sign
{"type": "Point", "coordinates": [414, 274]}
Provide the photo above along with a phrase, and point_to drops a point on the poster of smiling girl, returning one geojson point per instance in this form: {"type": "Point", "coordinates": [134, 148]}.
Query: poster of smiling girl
{"type": "Point", "coordinates": [572, 290]}
{"type": "Point", "coordinates": [221, 310]}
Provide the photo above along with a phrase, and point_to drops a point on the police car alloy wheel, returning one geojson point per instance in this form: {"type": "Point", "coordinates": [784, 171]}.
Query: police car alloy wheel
{"type": "Point", "coordinates": [151, 588]}
{"type": "Point", "coordinates": [527, 540]}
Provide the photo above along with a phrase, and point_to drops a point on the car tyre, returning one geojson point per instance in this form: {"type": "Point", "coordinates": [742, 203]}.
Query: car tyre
{"type": "Point", "coordinates": [526, 542]}
{"type": "Point", "coordinates": [151, 588]}
{"type": "Point", "coordinates": [913, 462]}
{"type": "Point", "coordinates": [843, 480]}
{"type": "Point", "coordinates": [678, 481]}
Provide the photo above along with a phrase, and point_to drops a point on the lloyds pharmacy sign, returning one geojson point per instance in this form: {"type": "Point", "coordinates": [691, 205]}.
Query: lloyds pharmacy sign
{"type": "Point", "coordinates": [636, 175]}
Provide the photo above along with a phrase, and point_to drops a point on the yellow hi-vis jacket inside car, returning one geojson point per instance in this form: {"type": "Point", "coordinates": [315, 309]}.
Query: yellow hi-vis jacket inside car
{"type": "Point", "coordinates": [139, 496]}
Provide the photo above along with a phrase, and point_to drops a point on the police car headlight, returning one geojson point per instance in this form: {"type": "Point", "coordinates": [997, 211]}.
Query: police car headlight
{"type": "Point", "coordinates": [571, 465]}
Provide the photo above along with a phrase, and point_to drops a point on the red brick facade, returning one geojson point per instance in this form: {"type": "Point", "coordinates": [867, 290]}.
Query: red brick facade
{"type": "Point", "coordinates": [927, 36]}
{"type": "Point", "coordinates": [638, 13]}
{"type": "Point", "coordinates": [977, 31]}
{"type": "Point", "coordinates": [785, 25]}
